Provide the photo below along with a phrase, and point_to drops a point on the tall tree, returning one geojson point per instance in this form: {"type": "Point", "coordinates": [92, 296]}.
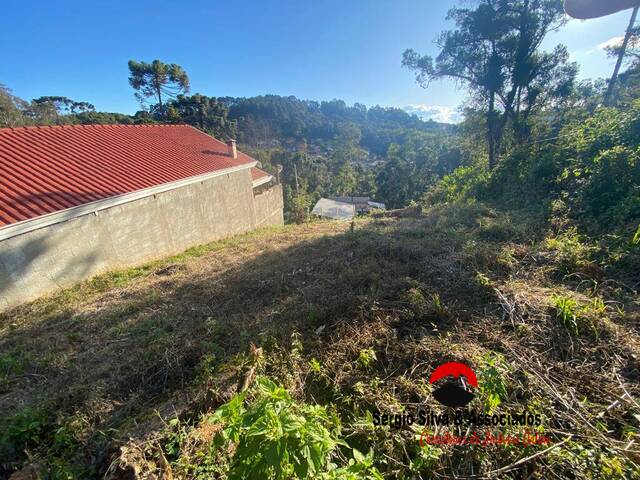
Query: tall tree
{"type": "Point", "coordinates": [158, 80]}
{"type": "Point", "coordinates": [494, 51]}
{"type": "Point", "coordinates": [50, 109]}
{"type": "Point", "coordinates": [206, 113]}
{"type": "Point", "coordinates": [631, 54]}
{"type": "Point", "coordinates": [472, 54]}
{"type": "Point", "coordinates": [628, 49]}
{"type": "Point", "coordinates": [12, 109]}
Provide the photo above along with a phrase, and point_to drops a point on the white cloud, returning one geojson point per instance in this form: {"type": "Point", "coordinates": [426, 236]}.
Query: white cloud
{"type": "Point", "coordinates": [437, 113]}
{"type": "Point", "coordinates": [612, 42]}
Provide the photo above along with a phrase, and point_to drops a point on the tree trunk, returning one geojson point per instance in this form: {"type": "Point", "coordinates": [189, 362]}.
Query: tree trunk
{"type": "Point", "coordinates": [608, 98]}
{"type": "Point", "coordinates": [491, 131]}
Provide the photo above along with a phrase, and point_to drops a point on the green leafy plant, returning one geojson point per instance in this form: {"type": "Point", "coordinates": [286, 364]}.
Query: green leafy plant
{"type": "Point", "coordinates": [573, 252]}
{"type": "Point", "coordinates": [416, 300]}
{"type": "Point", "coordinates": [483, 280]}
{"type": "Point", "coordinates": [635, 241]}
{"type": "Point", "coordinates": [22, 430]}
{"type": "Point", "coordinates": [274, 437]}
{"type": "Point", "coordinates": [428, 457]}
{"type": "Point", "coordinates": [360, 467]}
{"type": "Point", "coordinates": [366, 357]}
{"type": "Point", "coordinates": [492, 383]}
{"type": "Point", "coordinates": [315, 366]}
{"type": "Point", "coordinates": [575, 317]}
{"type": "Point", "coordinates": [567, 312]}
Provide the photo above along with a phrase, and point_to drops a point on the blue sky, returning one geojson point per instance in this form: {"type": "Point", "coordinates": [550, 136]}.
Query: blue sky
{"type": "Point", "coordinates": [348, 49]}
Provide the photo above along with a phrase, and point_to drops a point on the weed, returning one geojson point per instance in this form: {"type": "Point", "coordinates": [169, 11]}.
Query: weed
{"type": "Point", "coordinates": [366, 357]}
{"type": "Point", "coordinates": [428, 457]}
{"type": "Point", "coordinates": [314, 366]}
{"type": "Point", "coordinates": [567, 312]}
{"type": "Point", "coordinates": [492, 383]}
{"type": "Point", "coordinates": [635, 241]}
{"type": "Point", "coordinates": [597, 306]}
{"type": "Point", "coordinates": [276, 438]}
{"type": "Point", "coordinates": [573, 252]}
{"type": "Point", "coordinates": [439, 308]}
{"type": "Point", "coordinates": [575, 317]}
{"type": "Point", "coordinates": [483, 280]}
{"type": "Point", "coordinates": [416, 300]}
{"type": "Point", "coordinates": [596, 462]}
{"type": "Point", "coordinates": [23, 430]}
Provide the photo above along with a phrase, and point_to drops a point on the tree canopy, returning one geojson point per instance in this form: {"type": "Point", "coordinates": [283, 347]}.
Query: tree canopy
{"type": "Point", "coordinates": [157, 80]}
{"type": "Point", "coordinates": [494, 50]}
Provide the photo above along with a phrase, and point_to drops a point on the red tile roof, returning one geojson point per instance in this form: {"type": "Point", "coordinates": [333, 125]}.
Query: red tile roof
{"type": "Point", "coordinates": [257, 174]}
{"type": "Point", "coordinates": [48, 169]}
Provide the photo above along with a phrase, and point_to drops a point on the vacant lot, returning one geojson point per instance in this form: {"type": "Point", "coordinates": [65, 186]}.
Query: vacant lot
{"type": "Point", "coordinates": [91, 378]}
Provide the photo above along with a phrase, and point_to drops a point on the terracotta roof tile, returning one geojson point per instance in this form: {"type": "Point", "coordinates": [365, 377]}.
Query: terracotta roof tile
{"type": "Point", "coordinates": [48, 169]}
{"type": "Point", "coordinates": [257, 174]}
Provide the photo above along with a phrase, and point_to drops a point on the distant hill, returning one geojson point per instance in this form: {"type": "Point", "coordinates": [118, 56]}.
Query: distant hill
{"type": "Point", "coordinates": [271, 120]}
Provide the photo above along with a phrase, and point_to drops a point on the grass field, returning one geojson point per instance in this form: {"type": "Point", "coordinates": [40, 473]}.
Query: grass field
{"type": "Point", "coordinates": [118, 376]}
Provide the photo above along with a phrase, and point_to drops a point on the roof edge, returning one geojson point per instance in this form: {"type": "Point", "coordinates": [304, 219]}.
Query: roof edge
{"type": "Point", "coordinates": [26, 226]}
{"type": "Point", "coordinates": [262, 180]}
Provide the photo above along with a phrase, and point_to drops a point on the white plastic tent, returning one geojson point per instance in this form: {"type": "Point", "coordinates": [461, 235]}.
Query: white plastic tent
{"type": "Point", "coordinates": [378, 205]}
{"type": "Point", "coordinates": [333, 209]}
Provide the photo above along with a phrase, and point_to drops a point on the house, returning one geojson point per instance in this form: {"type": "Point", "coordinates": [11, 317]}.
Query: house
{"type": "Point", "coordinates": [79, 200]}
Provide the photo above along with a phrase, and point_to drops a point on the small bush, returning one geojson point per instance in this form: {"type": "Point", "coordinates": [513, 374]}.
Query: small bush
{"type": "Point", "coordinates": [572, 251]}
{"type": "Point", "coordinates": [21, 431]}
{"type": "Point", "coordinates": [274, 437]}
{"type": "Point", "coordinates": [492, 383]}
{"type": "Point", "coordinates": [366, 357]}
{"type": "Point", "coordinates": [462, 184]}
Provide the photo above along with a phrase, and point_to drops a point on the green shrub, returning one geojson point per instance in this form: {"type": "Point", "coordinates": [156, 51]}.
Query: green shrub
{"type": "Point", "coordinates": [25, 429]}
{"type": "Point", "coordinates": [463, 183]}
{"type": "Point", "coordinates": [593, 168]}
{"type": "Point", "coordinates": [610, 189]}
{"type": "Point", "coordinates": [572, 249]}
{"type": "Point", "coordinates": [567, 311]}
{"type": "Point", "coordinates": [366, 357]}
{"type": "Point", "coordinates": [274, 437]}
{"type": "Point", "coordinates": [492, 383]}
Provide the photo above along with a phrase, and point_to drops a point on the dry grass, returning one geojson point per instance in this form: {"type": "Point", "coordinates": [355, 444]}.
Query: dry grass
{"type": "Point", "coordinates": [121, 355]}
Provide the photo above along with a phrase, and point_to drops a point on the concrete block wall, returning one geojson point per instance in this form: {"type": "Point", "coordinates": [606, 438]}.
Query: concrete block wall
{"type": "Point", "coordinates": [269, 206]}
{"type": "Point", "coordinates": [60, 255]}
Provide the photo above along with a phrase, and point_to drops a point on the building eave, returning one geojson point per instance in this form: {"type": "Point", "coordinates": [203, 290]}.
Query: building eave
{"type": "Point", "coordinates": [262, 180]}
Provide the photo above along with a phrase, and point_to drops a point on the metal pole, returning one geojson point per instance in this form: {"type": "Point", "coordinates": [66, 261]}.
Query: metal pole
{"type": "Point", "coordinates": [612, 83]}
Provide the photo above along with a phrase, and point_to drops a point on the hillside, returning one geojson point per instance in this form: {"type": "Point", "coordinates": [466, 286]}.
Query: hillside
{"type": "Point", "coordinates": [271, 121]}
{"type": "Point", "coordinates": [118, 377]}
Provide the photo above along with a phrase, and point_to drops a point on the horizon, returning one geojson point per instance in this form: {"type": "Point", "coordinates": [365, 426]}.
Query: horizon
{"type": "Point", "coordinates": [321, 54]}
